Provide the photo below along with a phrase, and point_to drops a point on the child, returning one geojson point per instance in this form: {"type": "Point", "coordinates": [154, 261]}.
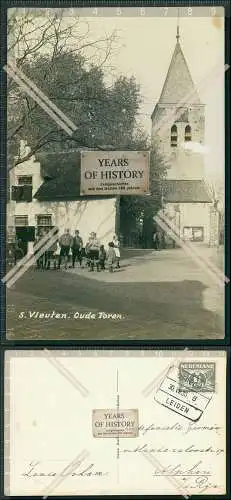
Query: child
{"type": "Point", "coordinates": [117, 250]}
{"type": "Point", "coordinates": [50, 254]}
{"type": "Point", "coordinates": [39, 260]}
{"type": "Point", "coordinates": [65, 242]}
{"type": "Point", "coordinates": [111, 256]}
{"type": "Point", "coordinates": [102, 257]}
{"type": "Point", "coordinates": [92, 250]}
{"type": "Point", "coordinates": [76, 249]}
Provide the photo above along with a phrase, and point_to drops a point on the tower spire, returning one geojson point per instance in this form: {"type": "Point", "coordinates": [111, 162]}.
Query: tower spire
{"type": "Point", "coordinates": [178, 25]}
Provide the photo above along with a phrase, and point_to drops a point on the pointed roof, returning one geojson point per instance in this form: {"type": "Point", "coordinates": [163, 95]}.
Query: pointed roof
{"type": "Point", "coordinates": [179, 87]}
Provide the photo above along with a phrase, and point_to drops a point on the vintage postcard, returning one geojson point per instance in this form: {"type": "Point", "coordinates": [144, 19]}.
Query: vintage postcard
{"type": "Point", "coordinates": [115, 422]}
{"type": "Point", "coordinates": [116, 168]}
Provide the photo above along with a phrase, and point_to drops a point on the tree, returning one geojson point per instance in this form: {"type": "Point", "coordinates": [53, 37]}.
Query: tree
{"type": "Point", "coordinates": [105, 116]}
{"type": "Point", "coordinates": [42, 47]}
{"type": "Point", "coordinates": [32, 32]}
{"type": "Point", "coordinates": [215, 187]}
{"type": "Point", "coordinates": [139, 211]}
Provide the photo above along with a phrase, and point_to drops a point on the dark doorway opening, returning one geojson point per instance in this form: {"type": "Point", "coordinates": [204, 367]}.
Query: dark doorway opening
{"type": "Point", "coordinates": [24, 234]}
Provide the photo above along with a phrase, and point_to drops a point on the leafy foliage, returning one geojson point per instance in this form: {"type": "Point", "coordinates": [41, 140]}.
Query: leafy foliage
{"type": "Point", "coordinates": [105, 116]}
{"type": "Point", "coordinates": [138, 211]}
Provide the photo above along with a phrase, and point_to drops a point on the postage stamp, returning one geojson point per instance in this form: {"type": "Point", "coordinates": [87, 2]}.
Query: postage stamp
{"type": "Point", "coordinates": [197, 376]}
{"type": "Point", "coordinates": [115, 423]}
{"type": "Point", "coordinates": [188, 403]}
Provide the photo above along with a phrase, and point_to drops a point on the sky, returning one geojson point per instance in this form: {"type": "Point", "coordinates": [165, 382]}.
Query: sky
{"type": "Point", "coordinates": [144, 49]}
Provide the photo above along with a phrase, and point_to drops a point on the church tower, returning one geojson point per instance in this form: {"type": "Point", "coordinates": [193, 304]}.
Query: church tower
{"type": "Point", "coordinates": [178, 119]}
{"type": "Point", "coordinates": [178, 127]}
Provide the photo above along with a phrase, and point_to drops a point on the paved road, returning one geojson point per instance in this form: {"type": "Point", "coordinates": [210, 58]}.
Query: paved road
{"type": "Point", "coordinates": [160, 295]}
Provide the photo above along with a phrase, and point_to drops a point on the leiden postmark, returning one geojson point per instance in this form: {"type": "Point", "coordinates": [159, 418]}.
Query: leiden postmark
{"type": "Point", "coordinates": [187, 400]}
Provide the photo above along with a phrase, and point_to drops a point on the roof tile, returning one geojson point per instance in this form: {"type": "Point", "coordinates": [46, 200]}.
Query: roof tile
{"type": "Point", "coordinates": [186, 191]}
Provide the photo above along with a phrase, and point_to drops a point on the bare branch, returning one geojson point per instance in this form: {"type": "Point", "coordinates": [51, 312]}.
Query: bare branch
{"type": "Point", "coordinates": [49, 40]}
{"type": "Point", "coordinates": [40, 144]}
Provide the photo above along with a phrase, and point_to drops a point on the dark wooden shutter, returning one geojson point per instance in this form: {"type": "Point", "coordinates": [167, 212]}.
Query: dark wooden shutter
{"type": "Point", "coordinates": [26, 233]}
{"type": "Point", "coordinates": [21, 193]}
{"type": "Point", "coordinates": [27, 193]}
{"type": "Point", "coordinates": [31, 233]}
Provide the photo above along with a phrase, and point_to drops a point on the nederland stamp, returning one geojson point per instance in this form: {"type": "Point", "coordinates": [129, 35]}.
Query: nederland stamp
{"type": "Point", "coordinates": [115, 423]}
{"type": "Point", "coordinates": [197, 376]}
{"type": "Point", "coordinates": [189, 404]}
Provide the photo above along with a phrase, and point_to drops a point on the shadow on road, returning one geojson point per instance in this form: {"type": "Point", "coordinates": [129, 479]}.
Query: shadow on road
{"type": "Point", "coordinates": [161, 310]}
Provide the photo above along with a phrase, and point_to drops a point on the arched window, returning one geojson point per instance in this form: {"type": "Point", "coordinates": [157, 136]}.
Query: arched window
{"type": "Point", "coordinates": [187, 133]}
{"type": "Point", "coordinates": [174, 136]}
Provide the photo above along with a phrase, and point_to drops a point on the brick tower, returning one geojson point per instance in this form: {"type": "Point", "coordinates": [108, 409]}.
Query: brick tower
{"type": "Point", "coordinates": [178, 126]}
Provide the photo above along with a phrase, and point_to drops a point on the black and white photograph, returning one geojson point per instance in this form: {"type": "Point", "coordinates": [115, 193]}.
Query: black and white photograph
{"type": "Point", "coordinates": [70, 430]}
{"type": "Point", "coordinates": [115, 173]}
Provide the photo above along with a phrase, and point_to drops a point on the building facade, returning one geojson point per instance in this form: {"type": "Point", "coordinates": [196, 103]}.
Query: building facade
{"type": "Point", "coordinates": [178, 129]}
{"type": "Point", "coordinates": [45, 192]}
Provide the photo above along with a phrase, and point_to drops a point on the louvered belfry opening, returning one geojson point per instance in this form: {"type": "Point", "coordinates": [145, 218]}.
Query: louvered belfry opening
{"type": "Point", "coordinates": [174, 136]}
{"type": "Point", "coordinates": [187, 133]}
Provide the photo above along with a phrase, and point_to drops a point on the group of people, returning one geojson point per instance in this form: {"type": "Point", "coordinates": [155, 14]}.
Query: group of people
{"type": "Point", "coordinates": [94, 253]}
{"type": "Point", "coordinates": [97, 256]}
